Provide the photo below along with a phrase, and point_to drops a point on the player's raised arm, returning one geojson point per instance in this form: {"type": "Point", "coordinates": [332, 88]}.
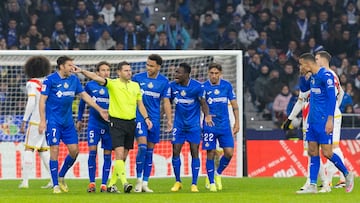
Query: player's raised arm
{"type": "Point", "coordinates": [90, 75]}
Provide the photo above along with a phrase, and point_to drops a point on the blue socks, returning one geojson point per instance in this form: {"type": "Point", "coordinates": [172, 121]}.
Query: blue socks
{"type": "Point", "coordinates": [224, 162]}
{"type": "Point", "coordinates": [195, 167]}
{"type": "Point", "coordinates": [314, 169]}
{"type": "Point", "coordinates": [339, 164]}
{"type": "Point", "coordinates": [66, 166]}
{"type": "Point", "coordinates": [176, 163]}
{"type": "Point", "coordinates": [54, 168]}
{"type": "Point", "coordinates": [140, 159]}
{"type": "Point", "coordinates": [92, 166]}
{"type": "Point", "coordinates": [210, 168]}
{"type": "Point", "coordinates": [148, 164]}
{"type": "Point", "coordinates": [106, 168]}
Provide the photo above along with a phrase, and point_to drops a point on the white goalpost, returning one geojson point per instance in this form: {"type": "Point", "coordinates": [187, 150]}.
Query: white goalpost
{"type": "Point", "coordinates": [13, 100]}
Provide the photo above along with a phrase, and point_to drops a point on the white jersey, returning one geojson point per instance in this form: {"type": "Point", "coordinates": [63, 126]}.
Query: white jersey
{"type": "Point", "coordinates": [339, 93]}
{"type": "Point", "coordinates": [33, 88]}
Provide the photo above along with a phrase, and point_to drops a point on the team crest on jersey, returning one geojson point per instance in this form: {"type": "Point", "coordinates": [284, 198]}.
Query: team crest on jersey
{"type": "Point", "coordinates": [101, 91]}
{"type": "Point", "coordinates": [150, 85]}
{"type": "Point", "coordinates": [216, 91]}
{"type": "Point", "coordinates": [329, 82]}
{"type": "Point", "coordinates": [66, 85]}
{"type": "Point", "coordinates": [183, 93]}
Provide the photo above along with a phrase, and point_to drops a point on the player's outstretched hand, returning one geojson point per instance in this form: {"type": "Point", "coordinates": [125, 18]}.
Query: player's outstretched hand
{"type": "Point", "coordinates": [286, 125]}
{"type": "Point", "coordinates": [76, 69]}
{"type": "Point", "coordinates": [208, 120]}
{"type": "Point", "coordinates": [169, 126]}
{"type": "Point", "coordinates": [149, 123]}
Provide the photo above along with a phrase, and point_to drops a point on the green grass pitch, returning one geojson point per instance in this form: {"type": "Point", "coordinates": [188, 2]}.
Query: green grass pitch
{"type": "Point", "coordinates": [257, 190]}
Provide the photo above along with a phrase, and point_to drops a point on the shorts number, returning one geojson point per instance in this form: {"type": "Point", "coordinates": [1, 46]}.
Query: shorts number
{"type": "Point", "coordinates": [91, 134]}
{"type": "Point", "coordinates": [174, 131]}
{"type": "Point", "coordinates": [208, 137]}
{"type": "Point", "coordinates": [138, 125]}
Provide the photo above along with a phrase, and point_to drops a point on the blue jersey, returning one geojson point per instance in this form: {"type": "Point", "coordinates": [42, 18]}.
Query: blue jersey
{"type": "Point", "coordinates": [322, 96]}
{"type": "Point", "coordinates": [153, 90]}
{"type": "Point", "coordinates": [187, 104]}
{"type": "Point", "coordinates": [61, 94]}
{"type": "Point", "coordinates": [100, 95]}
{"type": "Point", "coordinates": [304, 84]}
{"type": "Point", "coordinates": [217, 98]}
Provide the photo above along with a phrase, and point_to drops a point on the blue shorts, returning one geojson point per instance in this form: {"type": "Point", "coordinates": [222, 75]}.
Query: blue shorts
{"type": "Point", "coordinates": [211, 134]}
{"type": "Point", "coordinates": [191, 135]}
{"type": "Point", "coordinates": [55, 132]}
{"type": "Point", "coordinates": [316, 133]}
{"type": "Point", "coordinates": [94, 134]}
{"type": "Point", "coordinates": [152, 135]}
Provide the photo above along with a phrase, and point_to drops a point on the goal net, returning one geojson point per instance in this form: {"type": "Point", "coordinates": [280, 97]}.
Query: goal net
{"type": "Point", "coordinates": [13, 100]}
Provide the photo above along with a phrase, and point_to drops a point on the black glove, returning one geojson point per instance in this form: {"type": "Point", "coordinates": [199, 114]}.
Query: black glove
{"type": "Point", "coordinates": [286, 124]}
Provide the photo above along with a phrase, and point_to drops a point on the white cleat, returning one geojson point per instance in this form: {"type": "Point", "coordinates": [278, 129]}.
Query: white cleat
{"type": "Point", "coordinates": [138, 186]}
{"type": "Point", "coordinates": [47, 186]}
{"type": "Point", "coordinates": [349, 181]}
{"type": "Point", "coordinates": [325, 189]}
{"type": "Point", "coordinates": [24, 185]}
{"type": "Point", "coordinates": [145, 188]}
{"type": "Point", "coordinates": [310, 189]}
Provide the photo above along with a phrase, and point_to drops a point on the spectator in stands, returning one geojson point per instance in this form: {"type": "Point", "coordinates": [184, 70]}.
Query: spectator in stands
{"type": "Point", "coordinates": [130, 38]}
{"type": "Point", "coordinates": [12, 33]}
{"type": "Point", "coordinates": [228, 15]}
{"type": "Point", "coordinates": [322, 28]}
{"type": "Point", "coordinates": [46, 18]}
{"type": "Point", "coordinates": [34, 35]}
{"type": "Point", "coordinates": [162, 43]}
{"type": "Point", "coordinates": [208, 10]}
{"type": "Point", "coordinates": [233, 42]}
{"type": "Point", "coordinates": [128, 12]}
{"type": "Point", "coordinates": [151, 38]}
{"type": "Point", "coordinates": [300, 28]}
{"type": "Point", "coordinates": [80, 27]}
{"type": "Point", "coordinates": [184, 12]}
{"type": "Point", "coordinates": [208, 33]}
{"type": "Point", "coordinates": [83, 42]}
{"type": "Point", "coordinates": [350, 121]}
{"type": "Point", "coordinates": [40, 45]}
{"type": "Point", "coordinates": [108, 11]}
{"type": "Point", "coordinates": [118, 26]}
{"type": "Point", "coordinates": [280, 104]}
{"type": "Point", "coordinates": [312, 46]}
{"type": "Point", "coordinates": [140, 28]}
{"type": "Point", "coordinates": [3, 45]}
{"type": "Point", "coordinates": [248, 34]}
{"type": "Point", "coordinates": [260, 86]}
{"type": "Point", "coordinates": [357, 81]}
{"type": "Point", "coordinates": [347, 99]}
{"type": "Point", "coordinates": [236, 22]}
{"type": "Point", "coordinates": [263, 20]}
{"type": "Point", "coordinates": [275, 34]}
{"type": "Point", "coordinates": [272, 89]}
{"type": "Point", "coordinates": [221, 36]}
{"type": "Point", "coordinates": [287, 20]}
{"type": "Point", "coordinates": [251, 74]}
{"type": "Point", "coordinates": [105, 42]}
{"type": "Point", "coordinates": [178, 36]}
{"type": "Point", "coordinates": [25, 43]}
{"type": "Point", "coordinates": [289, 76]}
{"type": "Point", "coordinates": [47, 42]}
{"type": "Point", "coordinates": [81, 9]}
{"type": "Point", "coordinates": [59, 27]}
{"type": "Point", "coordinates": [98, 27]}
{"type": "Point", "coordinates": [62, 42]}
{"type": "Point", "coordinates": [95, 6]}
{"type": "Point", "coordinates": [13, 11]}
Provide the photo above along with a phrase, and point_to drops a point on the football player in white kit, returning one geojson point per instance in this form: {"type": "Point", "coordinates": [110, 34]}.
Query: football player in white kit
{"type": "Point", "coordinates": [36, 68]}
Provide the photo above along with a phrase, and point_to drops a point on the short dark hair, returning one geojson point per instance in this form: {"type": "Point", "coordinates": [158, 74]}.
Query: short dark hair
{"type": "Point", "coordinates": [186, 67]}
{"type": "Point", "coordinates": [215, 65]}
{"type": "Point", "coordinates": [97, 68]}
{"type": "Point", "coordinates": [62, 59]}
{"type": "Point", "coordinates": [121, 64]}
{"type": "Point", "coordinates": [157, 58]}
{"type": "Point", "coordinates": [308, 57]}
{"type": "Point", "coordinates": [37, 66]}
{"type": "Point", "coordinates": [324, 54]}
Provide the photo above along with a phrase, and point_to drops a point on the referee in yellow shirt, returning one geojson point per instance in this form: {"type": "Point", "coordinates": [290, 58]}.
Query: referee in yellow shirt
{"type": "Point", "coordinates": [124, 96]}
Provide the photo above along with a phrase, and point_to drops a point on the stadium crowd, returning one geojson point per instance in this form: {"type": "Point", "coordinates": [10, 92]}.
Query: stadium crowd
{"type": "Point", "coordinates": [272, 33]}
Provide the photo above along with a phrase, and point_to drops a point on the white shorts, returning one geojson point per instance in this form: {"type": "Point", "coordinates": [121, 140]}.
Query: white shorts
{"type": "Point", "coordinates": [337, 129]}
{"type": "Point", "coordinates": [34, 140]}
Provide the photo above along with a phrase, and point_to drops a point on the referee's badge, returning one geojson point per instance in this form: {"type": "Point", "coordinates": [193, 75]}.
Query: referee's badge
{"type": "Point", "coordinates": [183, 93]}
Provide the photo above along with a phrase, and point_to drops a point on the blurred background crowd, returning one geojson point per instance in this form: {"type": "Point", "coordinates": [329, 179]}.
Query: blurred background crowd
{"type": "Point", "coordinates": [271, 33]}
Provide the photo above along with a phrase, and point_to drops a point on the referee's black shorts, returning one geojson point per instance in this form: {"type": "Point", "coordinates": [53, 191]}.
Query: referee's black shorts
{"type": "Point", "coordinates": [122, 132]}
